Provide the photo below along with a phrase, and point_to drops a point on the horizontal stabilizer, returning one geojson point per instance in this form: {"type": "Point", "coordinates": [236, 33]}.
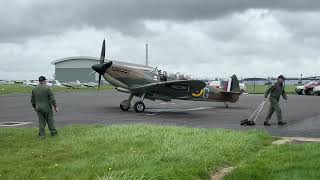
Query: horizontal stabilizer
{"type": "Point", "coordinates": [230, 92]}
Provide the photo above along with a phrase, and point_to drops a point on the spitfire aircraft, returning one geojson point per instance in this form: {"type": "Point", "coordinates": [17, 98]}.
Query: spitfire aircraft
{"type": "Point", "coordinates": [154, 85]}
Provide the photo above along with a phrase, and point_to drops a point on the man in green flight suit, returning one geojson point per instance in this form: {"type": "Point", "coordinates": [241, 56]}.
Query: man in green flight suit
{"type": "Point", "coordinates": [275, 92]}
{"type": "Point", "coordinates": [42, 100]}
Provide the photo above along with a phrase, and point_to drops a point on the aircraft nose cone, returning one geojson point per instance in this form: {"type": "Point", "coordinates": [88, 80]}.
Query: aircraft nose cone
{"type": "Point", "coordinates": [101, 68]}
{"type": "Point", "coordinates": [98, 68]}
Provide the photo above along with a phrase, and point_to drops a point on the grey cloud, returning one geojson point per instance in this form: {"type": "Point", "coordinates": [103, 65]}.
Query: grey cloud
{"type": "Point", "coordinates": [22, 19]}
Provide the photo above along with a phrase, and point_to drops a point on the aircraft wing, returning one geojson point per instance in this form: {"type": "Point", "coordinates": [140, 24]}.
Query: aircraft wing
{"type": "Point", "coordinates": [168, 90]}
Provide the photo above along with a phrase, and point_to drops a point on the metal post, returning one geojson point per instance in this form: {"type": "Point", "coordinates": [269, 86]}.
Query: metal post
{"type": "Point", "coordinates": [254, 84]}
{"type": "Point", "coordinates": [147, 55]}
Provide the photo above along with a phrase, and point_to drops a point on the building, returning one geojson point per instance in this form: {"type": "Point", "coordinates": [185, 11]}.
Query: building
{"type": "Point", "coordinates": [71, 69]}
{"type": "Point", "coordinates": [79, 68]}
{"type": "Point", "coordinates": [289, 80]}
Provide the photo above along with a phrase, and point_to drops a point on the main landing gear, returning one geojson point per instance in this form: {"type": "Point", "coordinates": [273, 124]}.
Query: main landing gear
{"type": "Point", "coordinates": [126, 104]}
{"type": "Point", "coordinates": [139, 106]}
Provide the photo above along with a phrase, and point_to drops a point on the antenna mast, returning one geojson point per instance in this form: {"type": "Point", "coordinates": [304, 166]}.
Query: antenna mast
{"type": "Point", "coordinates": [147, 55]}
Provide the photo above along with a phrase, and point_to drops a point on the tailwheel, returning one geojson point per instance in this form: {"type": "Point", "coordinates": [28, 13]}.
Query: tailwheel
{"type": "Point", "coordinates": [139, 107]}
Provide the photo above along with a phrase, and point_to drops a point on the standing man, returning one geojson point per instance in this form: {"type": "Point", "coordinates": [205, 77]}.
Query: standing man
{"type": "Point", "coordinates": [42, 100]}
{"type": "Point", "coordinates": [275, 92]}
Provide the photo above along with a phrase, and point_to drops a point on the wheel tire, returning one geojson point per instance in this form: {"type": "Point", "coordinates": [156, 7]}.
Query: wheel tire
{"type": "Point", "coordinates": [309, 92]}
{"type": "Point", "coordinates": [139, 107]}
{"type": "Point", "coordinates": [124, 108]}
{"type": "Point", "coordinates": [299, 92]}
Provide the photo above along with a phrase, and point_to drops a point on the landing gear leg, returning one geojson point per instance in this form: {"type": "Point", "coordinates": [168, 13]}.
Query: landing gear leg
{"type": "Point", "coordinates": [139, 106]}
{"type": "Point", "coordinates": [126, 104]}
{"type": "Point", "coordinates": [226, 105]}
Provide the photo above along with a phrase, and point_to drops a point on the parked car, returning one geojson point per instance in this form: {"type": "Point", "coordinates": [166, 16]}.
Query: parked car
{"type": "Point", "coordinates": [216, 84]}
{"type": "Point", "coordinates": [316, 90]}
{"type": "Point", "coordinates": [309, 87]}
{"type": "Point", "coordinates": [299, 89]}
{"type": "Point", "coordinates": [243, 87]}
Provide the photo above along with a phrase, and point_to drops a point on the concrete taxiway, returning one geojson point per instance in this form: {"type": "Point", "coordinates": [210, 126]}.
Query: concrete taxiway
{"type": "Point", "coordinates": [301, 112]}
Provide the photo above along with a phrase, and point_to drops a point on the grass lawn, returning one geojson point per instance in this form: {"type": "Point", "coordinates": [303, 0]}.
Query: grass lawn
{"type": "Point", "coordinates": [261, 89]}
{"type": "Point", "coordinates": [293, 161]}
{"type": "Point", "coordinates": [125, 152]}
{"type": "Point", "coordinates": [17, 88]}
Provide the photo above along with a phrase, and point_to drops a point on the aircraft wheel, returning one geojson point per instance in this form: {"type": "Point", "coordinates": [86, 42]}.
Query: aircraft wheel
{"type": "Point", "coordinates": [124, 108]}
{"type": "Point", "coordinates": [125, 105]}
{"type": "Point", "coordinates": [227, 105]}
{"type": "Point", "coordinates": [139, 107]}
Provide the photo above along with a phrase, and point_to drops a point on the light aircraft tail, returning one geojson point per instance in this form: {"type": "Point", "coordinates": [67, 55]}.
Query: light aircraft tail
{"type": "Point", "coordinates": [233, 85]}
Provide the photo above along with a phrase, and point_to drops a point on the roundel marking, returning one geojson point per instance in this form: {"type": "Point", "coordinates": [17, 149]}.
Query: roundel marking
{"type": "Point", "coordinates": [198, 94]}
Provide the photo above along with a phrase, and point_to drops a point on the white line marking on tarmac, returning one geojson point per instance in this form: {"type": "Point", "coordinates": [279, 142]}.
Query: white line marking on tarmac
{"type": "Point", "coordinates": [151, 114]}
{"type": "Point", "coordinates": [167, 103]}
{"type": "Point", "coordinates": [12, 124]}
{"type": "Point", "coordinates": [152, 111]}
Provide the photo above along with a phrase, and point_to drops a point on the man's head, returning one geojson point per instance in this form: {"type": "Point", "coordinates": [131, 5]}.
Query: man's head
{"type": "Point", "coordinates": [281, 79]}
{"type": "Point", "coordinates": [42, 80]}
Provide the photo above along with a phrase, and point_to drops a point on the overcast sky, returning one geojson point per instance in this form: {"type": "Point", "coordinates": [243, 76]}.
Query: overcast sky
{"type": "Point", "coordinates": [207, 38]}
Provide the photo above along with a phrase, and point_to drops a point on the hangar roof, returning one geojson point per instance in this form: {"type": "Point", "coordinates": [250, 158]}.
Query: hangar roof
{"type": "Point", "coordinates": [75, 58]}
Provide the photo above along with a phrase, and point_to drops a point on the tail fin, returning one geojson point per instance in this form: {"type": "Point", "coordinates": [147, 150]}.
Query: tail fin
{"type": "Point", "coordinates": [78, 82]}
{"type": "Point", "coordinates": [233, 84]}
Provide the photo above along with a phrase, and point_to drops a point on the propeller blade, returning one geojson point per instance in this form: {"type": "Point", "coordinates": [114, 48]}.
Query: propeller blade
{"type": "Point", "coordinates": [103, 52]}
{"type": "Point", "coordinates": [99, 84]}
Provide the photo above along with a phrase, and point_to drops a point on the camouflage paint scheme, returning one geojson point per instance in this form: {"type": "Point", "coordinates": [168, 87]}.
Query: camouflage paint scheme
{"type": "Point", "coordinates": [149, 83]}
{"type": "Point", "coordinates": [210, 93]}
{"type": "Point", "coordinates": [132, 78]}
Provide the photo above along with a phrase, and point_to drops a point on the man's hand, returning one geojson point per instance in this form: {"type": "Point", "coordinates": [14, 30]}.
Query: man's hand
{"type": "Point", "coordinates": [35, 109]}
{"type": "Point", "coordinates": [264, 99]}
{"type": "Point", "coordinates": [286, 100]}
{"type": "Point", "coordinates": [56, 109]}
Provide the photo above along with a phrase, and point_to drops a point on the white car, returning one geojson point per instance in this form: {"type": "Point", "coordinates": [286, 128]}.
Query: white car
{"type": "Point", "coordinates": [316, 90]}
{"type": "Point", "coordinates": [299, 90]}
{"type": "Point", "coordinates": [243, 87]}
{"type": "Point", "coordinates": [216, 84]}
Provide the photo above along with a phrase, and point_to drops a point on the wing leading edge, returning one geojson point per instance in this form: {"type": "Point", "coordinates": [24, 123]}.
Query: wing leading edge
{"type": "Point", "coordinates": [168, 89]}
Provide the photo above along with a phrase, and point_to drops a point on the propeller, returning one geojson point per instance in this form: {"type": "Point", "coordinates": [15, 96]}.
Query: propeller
{"type": "Point", "coordinates": [102, 67]}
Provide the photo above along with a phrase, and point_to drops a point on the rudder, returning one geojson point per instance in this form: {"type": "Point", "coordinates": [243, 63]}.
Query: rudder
{"type": "Point", "coordinates": [233, 84]}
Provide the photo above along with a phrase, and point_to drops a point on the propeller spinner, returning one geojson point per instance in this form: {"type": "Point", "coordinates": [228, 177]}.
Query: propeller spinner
{"type": "Point", "coordinates": [102, 67]}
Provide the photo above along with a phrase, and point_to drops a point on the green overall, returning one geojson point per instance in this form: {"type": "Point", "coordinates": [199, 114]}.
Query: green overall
{"type": "Point", "coordinates": [42, 99]}
{"type": "Point", "coordinates": [275, 92]}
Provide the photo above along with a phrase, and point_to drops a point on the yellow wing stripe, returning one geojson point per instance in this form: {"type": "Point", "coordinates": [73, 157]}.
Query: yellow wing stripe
{"type": "Point", "coordinates": [198, 94]}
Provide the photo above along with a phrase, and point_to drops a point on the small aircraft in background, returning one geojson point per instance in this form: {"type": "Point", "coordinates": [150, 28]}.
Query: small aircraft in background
{"type": "Point", "coordinates": [34, 83]}
{"type": "Point", "coordinates": [154, 85]}
{"type": "Point", "coordinates": [72, 85]}
{"type": "Point", "coordinates": [90, 84]}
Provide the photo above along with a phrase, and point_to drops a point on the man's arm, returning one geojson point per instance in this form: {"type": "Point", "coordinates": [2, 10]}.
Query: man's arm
{"type": "Point", "coordinates": [33, 100]}
{"type": "Point", "coordinates": [52, 99]}
{"type": "Point", "coordinates": [284, 95]}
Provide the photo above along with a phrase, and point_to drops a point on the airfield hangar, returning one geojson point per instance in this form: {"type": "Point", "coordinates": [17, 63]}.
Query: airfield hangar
{"type": "Point", "coordinates": [71, 69]}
